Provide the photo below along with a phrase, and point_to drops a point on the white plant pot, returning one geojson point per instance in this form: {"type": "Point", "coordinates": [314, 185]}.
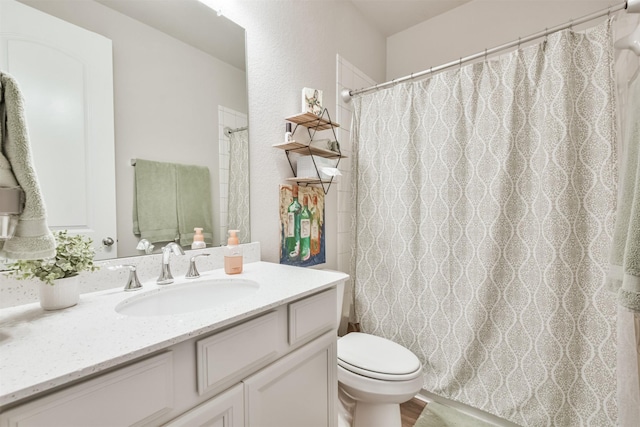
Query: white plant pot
{"type": "Point", "coordinates": [62, 294]}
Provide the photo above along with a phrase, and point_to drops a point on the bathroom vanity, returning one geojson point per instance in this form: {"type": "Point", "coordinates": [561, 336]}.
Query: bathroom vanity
{"type": "Point", "coordinates": [267, 359]}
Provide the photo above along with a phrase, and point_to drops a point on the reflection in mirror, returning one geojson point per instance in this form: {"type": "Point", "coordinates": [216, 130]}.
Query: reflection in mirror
{"type": "Point", "coordinates": [179, 80]}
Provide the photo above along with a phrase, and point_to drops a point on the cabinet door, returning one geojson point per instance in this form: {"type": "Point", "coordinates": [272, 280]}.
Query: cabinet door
{"type": "Point", "coordinates": [224, 410]}
{"type": "Point", "coordinates": [298, 390]}
{"type": "Point", "coordinates": [66, 76]}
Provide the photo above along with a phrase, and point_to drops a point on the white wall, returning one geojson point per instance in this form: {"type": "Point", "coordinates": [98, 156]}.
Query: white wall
{"type": "Point", "coordinates": [476, 26]}
{"type": "Point", "coordinates": [290, 45]}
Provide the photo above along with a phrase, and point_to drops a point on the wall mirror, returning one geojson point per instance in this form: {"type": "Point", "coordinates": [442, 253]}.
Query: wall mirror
{"type": "Point", "coordinates": [179, 80]}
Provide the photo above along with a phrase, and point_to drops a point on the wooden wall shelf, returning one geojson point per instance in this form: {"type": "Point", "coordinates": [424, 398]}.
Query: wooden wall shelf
{"type": "Point", "coordinates": [307, 181]}
{"type": "Point", "coordinates": [300, 148]}
{"type": "Point", "coordinates": [311, 121]}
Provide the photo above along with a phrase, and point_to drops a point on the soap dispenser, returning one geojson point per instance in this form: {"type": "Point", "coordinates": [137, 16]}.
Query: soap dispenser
{"type": "Point", "coordinates": [233, 254]}
{"type": "Point", "coordinates": [198, 239]}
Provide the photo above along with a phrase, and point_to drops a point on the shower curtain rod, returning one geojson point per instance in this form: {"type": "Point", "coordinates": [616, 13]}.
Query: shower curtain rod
{"type": "Point", "coordinates": [228, 131]}
{"type": "Point", "coordinates": [632, 6]}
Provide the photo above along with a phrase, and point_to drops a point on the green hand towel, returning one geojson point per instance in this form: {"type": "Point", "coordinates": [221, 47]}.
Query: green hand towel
{"type": "Point", "coordinates": [155, 216]}
{"type": "Point", "coordinates": [194, 202]}
{"type": "Point", "coordinates": [32, 238]}
{"type": "Point", "coordinates": [624, 272]}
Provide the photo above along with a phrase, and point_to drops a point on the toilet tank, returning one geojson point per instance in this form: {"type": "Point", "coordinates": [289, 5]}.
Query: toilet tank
{"type": "Point", "coordinates": [340, 298]}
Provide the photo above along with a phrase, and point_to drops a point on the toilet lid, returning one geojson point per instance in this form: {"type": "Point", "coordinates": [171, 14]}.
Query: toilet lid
{"type": "Point", "coordinates": [376, 355]}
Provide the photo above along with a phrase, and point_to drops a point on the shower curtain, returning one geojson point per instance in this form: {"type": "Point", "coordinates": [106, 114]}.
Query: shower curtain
{"type": "Point", "coordinates": [484, 209]}
{"type": "Point", "coordinates": [238, 207]}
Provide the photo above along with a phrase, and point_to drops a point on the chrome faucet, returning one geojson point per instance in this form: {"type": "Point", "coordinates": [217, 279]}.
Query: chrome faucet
{"type": "Point", "coordinates": [165, 276]}
{"type": "Point", "coordinates": [193, 271]}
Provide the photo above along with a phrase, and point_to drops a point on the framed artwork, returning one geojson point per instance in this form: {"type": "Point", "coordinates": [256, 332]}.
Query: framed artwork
{"type": "Point", "coordinates": [312, 101]}
{"type": "Point", "coordinates": [301, 225]}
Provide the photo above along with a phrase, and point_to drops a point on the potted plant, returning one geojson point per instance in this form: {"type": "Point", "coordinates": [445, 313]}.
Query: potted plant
{"type": "Point", "coordinates": [58, 276]}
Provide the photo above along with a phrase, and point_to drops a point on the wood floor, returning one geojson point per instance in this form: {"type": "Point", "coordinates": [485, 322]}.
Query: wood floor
{"type": "Point", "coordinates": [410, 411]}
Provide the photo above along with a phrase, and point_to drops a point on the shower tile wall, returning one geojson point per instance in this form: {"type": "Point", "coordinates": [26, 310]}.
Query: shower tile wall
{"type": "Point", "coordinates": [348, 76]}
{"type": "Point", "coordinates": [232, 119]}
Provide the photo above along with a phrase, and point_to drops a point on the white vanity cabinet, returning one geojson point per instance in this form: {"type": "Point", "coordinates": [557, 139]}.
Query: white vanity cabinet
{"type": "Point", "coordinates": [276, 368]}
{"type": "Point", "coordinates": [298, 390]}
{"type": "Point", "coordinates": [285, 362]}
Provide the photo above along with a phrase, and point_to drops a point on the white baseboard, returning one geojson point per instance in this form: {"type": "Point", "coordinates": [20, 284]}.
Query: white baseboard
{"type": "Point", "coordinates": [427, 396]}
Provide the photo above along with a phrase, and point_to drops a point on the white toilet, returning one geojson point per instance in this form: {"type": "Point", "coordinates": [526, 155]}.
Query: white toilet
{"type": "Point", "coordinates": [375, 375]}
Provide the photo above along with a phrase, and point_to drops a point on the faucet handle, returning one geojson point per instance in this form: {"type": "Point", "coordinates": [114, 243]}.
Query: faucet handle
{"type": "Point", "coordinates": [193, 271]}
{"type": "Point", "coordinates": [133, 284]}
{"type": "Point", "coordinates": [146, 246]}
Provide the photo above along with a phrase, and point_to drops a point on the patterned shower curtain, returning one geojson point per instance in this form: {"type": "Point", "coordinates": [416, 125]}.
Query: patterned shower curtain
{"type": "Point", "coordinates": [485, 201]}
{"type": "Point", "coordinates": [238, 207]}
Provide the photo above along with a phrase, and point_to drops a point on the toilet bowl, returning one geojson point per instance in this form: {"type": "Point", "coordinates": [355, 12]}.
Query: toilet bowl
{"type": "Point", "coordinates": [375, 375]}
{"type": "Point", "coordinates": [378, 375]}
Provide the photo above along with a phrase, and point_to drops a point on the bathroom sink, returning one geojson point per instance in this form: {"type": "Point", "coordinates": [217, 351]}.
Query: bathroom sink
{"type": "Point", "coordinates": [187, 297]}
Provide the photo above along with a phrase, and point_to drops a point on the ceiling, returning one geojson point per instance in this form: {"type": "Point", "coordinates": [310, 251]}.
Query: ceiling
{"type": "Point", "coordinates": [393, 16]}
{"type": "Point", "coordinates": [389, 16]}
{"type": "Point", "coordinates": [192, 22]}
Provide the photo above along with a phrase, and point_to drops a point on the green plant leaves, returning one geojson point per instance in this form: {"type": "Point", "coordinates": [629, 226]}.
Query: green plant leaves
{"type": "Point", "coordinates": [74, 254]}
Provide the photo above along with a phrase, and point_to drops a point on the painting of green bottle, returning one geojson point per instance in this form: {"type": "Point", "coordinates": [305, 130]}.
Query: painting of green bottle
{"type": "Point", "coordinates": [301, 225]}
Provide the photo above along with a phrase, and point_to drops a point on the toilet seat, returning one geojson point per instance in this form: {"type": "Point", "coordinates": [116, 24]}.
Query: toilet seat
{"type": "Point", "coordinates": [376, 357]}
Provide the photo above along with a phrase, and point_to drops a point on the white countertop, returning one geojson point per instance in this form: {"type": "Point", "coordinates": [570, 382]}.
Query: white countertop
{"type": "Point", "coordinates": [40, 350]}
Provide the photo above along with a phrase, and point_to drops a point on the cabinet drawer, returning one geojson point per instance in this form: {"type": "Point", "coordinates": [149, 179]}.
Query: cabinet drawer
{"type": "Point", "coordinates": [311, 316]}
{"type": "Point", "coordinates": [225, 358]}
{"type": "Point", "coordinates": [131, 396]}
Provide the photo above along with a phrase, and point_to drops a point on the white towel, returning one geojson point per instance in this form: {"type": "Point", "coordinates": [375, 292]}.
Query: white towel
{"type": "Point", "coordinates": [32, 239]}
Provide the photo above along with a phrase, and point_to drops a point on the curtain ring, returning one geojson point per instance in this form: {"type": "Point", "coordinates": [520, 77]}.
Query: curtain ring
{"type": "Point", "coordinates": [460, 63]}
{"type": "Point", "coordinates": [571, 24]}
{"type": "Point", "coordinates": [546, 34]}
{"type": "Point", "coordinates": [485, 54]}
{"type": "Point", "coordinates": [518, 42]}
